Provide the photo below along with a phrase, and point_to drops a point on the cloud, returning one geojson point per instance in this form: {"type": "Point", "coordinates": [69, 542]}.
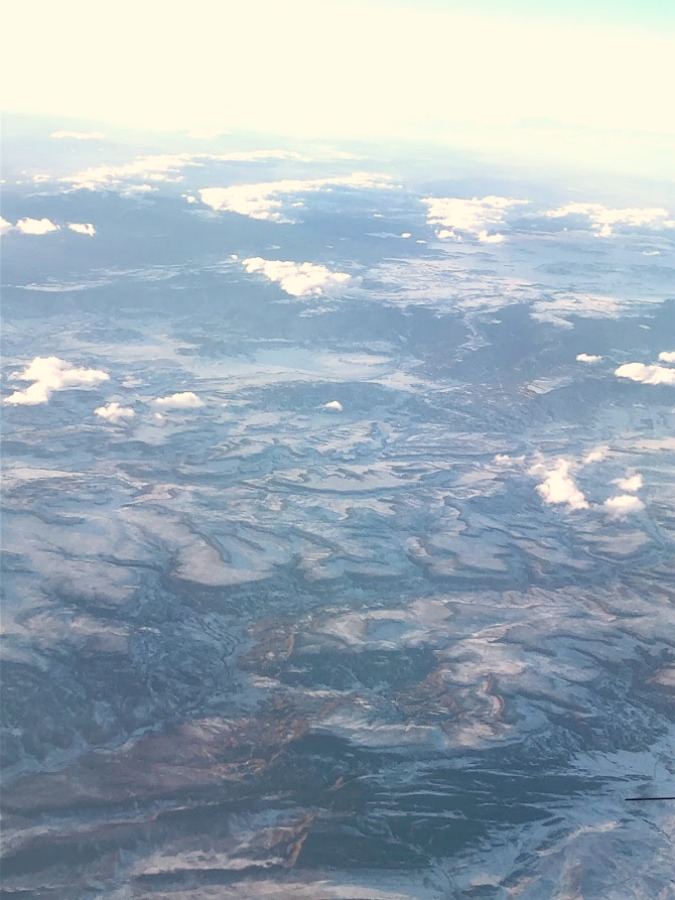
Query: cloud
{"type": "Point", "coordinates": [298, 279]}
{"type": "Point", "coordinates": [603, 219]}
{"type": "Point", "coordinates": [164, 167]}
{"type": "Point", "coordinates": [598, 454]}
{"type": "Point", "coordinates": [588, 358]}
{"type": "Point", "coordinates": [113, 412]}
{"type": "Point", "coordinates": [667, 356]}
{"type": "Point", "coordinates": [646, 374]}
{"type": "Point", "coordinates": [82, 228]}
{"type": "Point", "coordinates": [36, 226]}
{"type": "Point", "coordinates": [50, 374]}
{"type": "Point", "coordinates": [503, 459]}
{"type": "Point", "coordinates": [5, 226]}
{"type": "Point", "coordinates": [485, 238]}
{"type": "Point", "coordinates": [184, 400]}
{"type": "Point", "coordinates": [472, 217]}
{"type": "Point", "coordinates": [558, 486]}
{"type": "Point", "coordinates": [265, 200]}
{"type": "Point", "coordinates": [78, 135]}
{"type": "Point", "coordinates": [629, 483]}
{"type": "Point", "coordinates": [333, 404]}
{"type": "Point", "coordinates": [623, 504]}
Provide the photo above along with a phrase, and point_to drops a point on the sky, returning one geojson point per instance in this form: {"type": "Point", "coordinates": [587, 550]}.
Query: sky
{"type": "Point", "coordinates": [485, 70]}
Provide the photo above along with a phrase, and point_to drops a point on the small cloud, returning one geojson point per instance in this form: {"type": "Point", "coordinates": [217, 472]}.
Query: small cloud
{"type": "Point", "coordinates": [78, 135]}
{"type": "Point", "coordinates": [5, 226]}
{"type": "Point", "coordinates": [35, 226]}
{"type": "Point", "coordinates": [503, 459]}
{"type": "Point", "coordinates": [333, 404]}
{"type": "Point", "coordinates": [646, 374]}
{"type": "Point", "coordinates": [558, 486]}
{"type": "Point", "coordinates": [406, 234]}
{"type": "Point", "coordinates": [588, 358]}
{"type": "Point", "coordinates": [184, 400]}
{"type": "Point", "coordinates": [486, 238]}
{"type": "Point", "coordinates": [598, 454]}
{"type": "Point", "coordinates": [113, 412]}
{"type": "Point", "coordinates": [667, 356]}
{"type": "Point", "coordinates": [623, 504]}
{"type": "Point", "coordinates": [50, 374]}
{"type": "Point", "coordinates": [82, 228]}
{"type": "Point", "coordinates": [629, 483]}
{"type": "Point", "coordinates": [298, 279]}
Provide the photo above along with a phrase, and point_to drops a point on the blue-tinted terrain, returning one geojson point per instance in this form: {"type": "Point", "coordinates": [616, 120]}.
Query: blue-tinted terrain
{"type": "Point", "coordinates": [339, 519]}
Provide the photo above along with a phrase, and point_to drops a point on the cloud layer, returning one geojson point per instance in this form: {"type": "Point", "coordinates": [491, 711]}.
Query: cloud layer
{"type": "Point", "coordinates": [602, 219]}
{"type": "Point", "coordinates": [78, 135]}
{"type": "Point", "coordinates": [161, 167]}
{"type": "Point", "coordinates": [50, 374]}
{"type": "Point", "coordinates": [266, 199]}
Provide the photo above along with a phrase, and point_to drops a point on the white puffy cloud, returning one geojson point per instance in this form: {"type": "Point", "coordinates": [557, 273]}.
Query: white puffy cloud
{"type": "Point", "coordinates": [113, 412]}
{"type": "Point", "coordinates": [667, 356]}
{"type": "Point", "coordinates": [598, 454]}
{"type": "Point", "coordinates": [602, 219]}
{"type": "Point", "coordinates": [50, 374]}
{"type": "Point", "coordinates": [623, 504]}
{"type": "Point", "coordinates": [503, 459]}
{"type": "Point", "coordinates": [82, 228]}
{"type": "Point", "coordinates": [629, 483]}
{"type": "Point", "coordinates": [646, 374]}
{"type": "Point", "coordinates": [558, 486]}
{"type": "Point", "coordinates": [588, 358]}
{"type": "Point", "coordinates": [36, 226]}
{"type": "Point", "coordinates": [78, 135]}
{"type": "Point", "coordinates": [485, 238]}
{"type": "Point", "coordinates": [298, 279]}
{"type": "Point", "coordinates": [334, 405]}
{"type": "Point", "coordinates": [265, 200]}
{"type": "Point", "coordinates": [5, 226]}
{"type": "Point", "coordinates": [161, 167]}
{"type": "Point", "coordinates": [473, 217]}
{"type": "Point", "coordinates": [184, 400]}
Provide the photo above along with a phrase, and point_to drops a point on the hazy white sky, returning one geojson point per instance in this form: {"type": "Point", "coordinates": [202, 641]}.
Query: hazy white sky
{"type": "Point", "coordinates": [338, 68]}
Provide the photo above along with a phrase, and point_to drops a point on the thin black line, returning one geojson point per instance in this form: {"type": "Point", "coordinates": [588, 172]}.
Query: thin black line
{"type": "Point", "coordinates": [650, 798]}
